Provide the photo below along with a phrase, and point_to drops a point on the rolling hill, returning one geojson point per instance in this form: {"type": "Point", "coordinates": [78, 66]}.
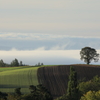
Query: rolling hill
{"type": "Point", "coordinates": [13, 77]}
{"type": "Point", "coordinates": [55, 78]}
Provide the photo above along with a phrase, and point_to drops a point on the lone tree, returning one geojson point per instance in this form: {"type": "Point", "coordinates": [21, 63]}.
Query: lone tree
{"type": "Point", "coordinates": [88, 54]}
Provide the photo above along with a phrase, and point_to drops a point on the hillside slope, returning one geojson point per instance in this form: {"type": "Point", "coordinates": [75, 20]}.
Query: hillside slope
{"type": "Point", "coordinates": [55, 78]}
{"type": "Point", "coordinates": [13, 77]}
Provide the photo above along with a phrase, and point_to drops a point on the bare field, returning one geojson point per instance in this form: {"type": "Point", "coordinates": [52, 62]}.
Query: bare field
{"type": "Point", "coordinates": [55, 78]}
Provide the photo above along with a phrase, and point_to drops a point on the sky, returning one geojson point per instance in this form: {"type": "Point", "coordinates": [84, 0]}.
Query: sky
{"type": "Point", "coordinates": [52, 32]}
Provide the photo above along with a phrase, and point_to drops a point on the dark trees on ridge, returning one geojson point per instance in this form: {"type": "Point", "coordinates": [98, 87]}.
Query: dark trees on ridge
{"type": "Point", "coordinates": [38, 92]}
{"type": "Point", "coordinates": [2, 64]}
{"type": "Point", "coordinates": [88, 54]}
{"type": "Point", "coordinates": [15, 62]}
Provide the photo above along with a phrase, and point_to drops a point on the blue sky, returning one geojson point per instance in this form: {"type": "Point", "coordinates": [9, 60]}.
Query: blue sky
{"type": "Point", "coordinates": [48, 26]}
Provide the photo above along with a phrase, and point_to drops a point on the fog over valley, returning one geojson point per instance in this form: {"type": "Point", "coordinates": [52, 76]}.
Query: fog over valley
{"type": "Point", "coordinates": [48, 57]}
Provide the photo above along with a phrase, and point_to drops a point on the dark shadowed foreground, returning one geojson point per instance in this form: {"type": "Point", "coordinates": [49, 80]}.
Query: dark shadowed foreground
{"type": "Point", "coordinates": [55, 78]}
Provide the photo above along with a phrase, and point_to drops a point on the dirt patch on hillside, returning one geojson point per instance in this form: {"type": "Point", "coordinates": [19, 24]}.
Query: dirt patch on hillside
{"type": "Point", "coordinates": [55, 78]}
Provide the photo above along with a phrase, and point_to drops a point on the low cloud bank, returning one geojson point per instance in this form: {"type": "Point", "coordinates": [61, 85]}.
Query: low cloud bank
{"type": "Point", "coordinates": [25, 41]}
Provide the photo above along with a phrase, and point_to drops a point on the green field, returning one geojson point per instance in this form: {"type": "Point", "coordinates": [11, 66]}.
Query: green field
{"type": "Point", "coordinates": [13, 77]}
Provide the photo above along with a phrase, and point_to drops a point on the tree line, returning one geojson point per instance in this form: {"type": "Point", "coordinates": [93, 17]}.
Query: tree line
{"type": "Point", "coordinates": [39, 64]}
{"type": "Point", "coordinates": [13, 63]}
{"type": "Point", "coordinates": [16, 63]}
{"type": "Point", "coordinates": [38, 92]}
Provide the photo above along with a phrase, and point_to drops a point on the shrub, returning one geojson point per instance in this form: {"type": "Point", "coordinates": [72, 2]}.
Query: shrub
{"type": "Point", "coordinates": [91, 95]}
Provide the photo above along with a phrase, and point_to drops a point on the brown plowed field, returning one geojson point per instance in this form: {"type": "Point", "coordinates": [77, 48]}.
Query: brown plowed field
{"type": "Point", "coordinates": [55, 78]}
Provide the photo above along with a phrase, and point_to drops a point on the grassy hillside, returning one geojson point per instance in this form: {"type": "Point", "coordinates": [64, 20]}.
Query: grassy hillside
{"type": "Point", "coordinates": [55, 78]}
{"type": "Point", "coordinates": [12, 77]}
